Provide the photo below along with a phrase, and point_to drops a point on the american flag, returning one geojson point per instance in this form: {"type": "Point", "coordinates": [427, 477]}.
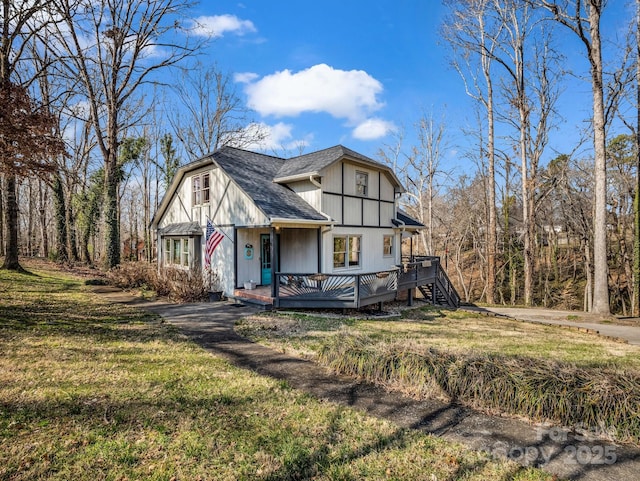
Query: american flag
{"type": "Point", "coordinates": [213, 239]}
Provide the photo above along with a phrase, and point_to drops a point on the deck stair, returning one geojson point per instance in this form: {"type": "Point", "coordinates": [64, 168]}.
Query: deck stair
{"type": "Point", "coordinates": [427, 275]}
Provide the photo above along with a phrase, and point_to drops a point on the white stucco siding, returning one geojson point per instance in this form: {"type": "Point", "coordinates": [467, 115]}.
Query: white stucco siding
{"type": "Point", "coordinates": [332, 178]}
{"type": "Point", "coordinates": [179, 209]}
{"type": "Point", "coordinates": [387, 214]}
{"type": "Point", "coordinates": [348, 208]}
{"type": "Point", "coordinates": [230, 205]}
{"type": "Point", "coordinates": [371, 252]}
{"type": "Point", "coordinates": [222, 261]}
{"type": "Point", "coordinates": [309, 192]}
{"type": "Point", "coordinates": [332, 206]}
{"type": "Point", "coordinates": [387, 189]}
{"type": "Point", "coordinates": [299, 250]}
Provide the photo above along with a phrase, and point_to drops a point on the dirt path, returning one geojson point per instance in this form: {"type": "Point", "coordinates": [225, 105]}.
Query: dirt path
{"type": "Point", "coordinates": [554, 449]}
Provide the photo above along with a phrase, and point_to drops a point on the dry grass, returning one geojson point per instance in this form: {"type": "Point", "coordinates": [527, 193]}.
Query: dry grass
{"type": "Point", "coordinates": [499, 365]}
{"type": "Point", "coordinates": [93, 391]}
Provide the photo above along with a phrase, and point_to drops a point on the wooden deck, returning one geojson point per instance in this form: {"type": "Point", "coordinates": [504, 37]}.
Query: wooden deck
{"type": "Point", "coordinates": [352, 291]}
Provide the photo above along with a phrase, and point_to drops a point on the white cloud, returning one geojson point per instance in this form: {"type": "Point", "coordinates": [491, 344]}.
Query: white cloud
{"type": "Point", "coordinates": [218, 25]}
{"type": "Point", "coordinates": [245, 77]}
{"type": "Point", "coordinates": [350, 95]}
{"type": "Point", "coordinates": [273, 137]}
{"type": "Point", "coordinates": [372, 129]}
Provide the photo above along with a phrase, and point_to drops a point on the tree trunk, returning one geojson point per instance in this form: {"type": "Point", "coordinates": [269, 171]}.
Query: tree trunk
{"type": "Point", "coordinates": [112, 227]}
{"type": "Point", "coordinates": [588, 287]}
{"type": "Point", "coordinates": [61, 219]}
{"type": "Point", "coordinates": [71, 230]}
{"type": "Point", "coordinates": [493, 230]}
{"type": "Point", "coordinates": [635, 296]}
{"type": "Point", "coordinates": [11, 250]}
{"type": "Point", "coordinates": [2, 214]}
{"type": "Point", "coordinates": [600, 268]}
{"type": "Point", "coordinates": [31, 235]}
{"type": "Point", "coordinates": [43, 198]}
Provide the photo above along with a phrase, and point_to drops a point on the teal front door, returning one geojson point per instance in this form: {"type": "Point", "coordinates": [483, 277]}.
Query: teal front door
{"type": "Point", "coordinates": [265, 259]}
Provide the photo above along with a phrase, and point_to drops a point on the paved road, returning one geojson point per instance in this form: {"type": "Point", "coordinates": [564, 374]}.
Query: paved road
{"type": "Point", "coordinates": [567, 318]}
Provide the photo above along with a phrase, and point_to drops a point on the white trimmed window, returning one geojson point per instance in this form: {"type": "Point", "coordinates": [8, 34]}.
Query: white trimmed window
{"type": "Point", "coordinates": [176, 251]}
{"type": "Point", "coordinates": [346, 251]}
{"type": "Point", "coordinates": [387, 246]}
{"type": "Point", "coordinates": [362, 183]}
{"type": "Point", "coordinates": [200, 189]}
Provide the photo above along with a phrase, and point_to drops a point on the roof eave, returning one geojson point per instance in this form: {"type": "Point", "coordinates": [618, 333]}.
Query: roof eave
{"type": "Point", "coordinates": [296, 177]}
{"type": "Point", "coordinates": [284, 221]}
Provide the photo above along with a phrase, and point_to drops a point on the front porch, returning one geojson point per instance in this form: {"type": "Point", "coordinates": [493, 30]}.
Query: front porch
{"type": "Point", "coordinates": [353, 291]}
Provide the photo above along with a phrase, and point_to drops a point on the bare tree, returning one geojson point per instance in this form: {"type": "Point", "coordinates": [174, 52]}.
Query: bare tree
{"type": "Point", "coordinates": [213, 115]}
{"type": "Point", "coordinates": [115, 47]}
{"type": "Point", "coordinates": [470, 30]}
{"type": "Point", "coordinates": [583, 17]}
{"type": "Point", "coordinates": [29, 132]}
{"type": "Point", "coordinates": [419, 168]}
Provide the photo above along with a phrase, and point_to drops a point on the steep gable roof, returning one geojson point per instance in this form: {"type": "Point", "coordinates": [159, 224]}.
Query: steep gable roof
{"type": "Point", "coordinates": [254, 173]}
{"type": "Point", "coordinates": [312, 163]}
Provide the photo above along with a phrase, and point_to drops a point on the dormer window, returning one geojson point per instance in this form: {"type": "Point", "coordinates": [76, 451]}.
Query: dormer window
{"type": "Point", "coordinates": [362, 183]}
{"type": "Point", "coordinates": [200, 188]}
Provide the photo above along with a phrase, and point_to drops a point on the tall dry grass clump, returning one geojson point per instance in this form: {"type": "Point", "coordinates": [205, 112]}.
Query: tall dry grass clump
{"type": "Point", "coordinates": [180, 285]}
{"type": "Point", "coordinates": [597, 399]}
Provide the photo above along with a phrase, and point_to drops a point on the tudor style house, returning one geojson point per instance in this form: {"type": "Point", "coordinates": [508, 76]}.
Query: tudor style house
{"type": "Point", "coordinates": [322, 228]}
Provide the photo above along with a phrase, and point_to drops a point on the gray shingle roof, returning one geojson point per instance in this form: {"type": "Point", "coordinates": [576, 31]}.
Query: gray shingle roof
{"type": "Point", "coordinates": [254, 173]}
{"type": "Point", "coordinates": [316, 161]}
{"type": "Point", "coordinates": [181, 229]}
{"type": "Point", "coordinates": [408, 220]}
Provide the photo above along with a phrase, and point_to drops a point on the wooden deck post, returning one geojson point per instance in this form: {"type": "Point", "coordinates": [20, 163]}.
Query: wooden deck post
{"type": "Point", "coordinates": [274, 260]}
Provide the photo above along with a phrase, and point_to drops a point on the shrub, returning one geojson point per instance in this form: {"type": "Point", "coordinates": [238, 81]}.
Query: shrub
{"type": "Point", "coordinates": [604, 400]}
{"type": "Point", "coordinates": [180, 285]}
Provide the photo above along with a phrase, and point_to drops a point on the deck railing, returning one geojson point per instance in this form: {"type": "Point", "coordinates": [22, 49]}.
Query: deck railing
{"type": "Point", "coordinates": [335, 290]}
{"type": "Point", "coordinates": [315, 290]}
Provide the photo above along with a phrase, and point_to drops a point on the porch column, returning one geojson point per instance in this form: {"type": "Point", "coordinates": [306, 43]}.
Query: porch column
{"type": "Point", "coordinates": [235, 258]}
{"type": "Point", "coordinates": [274, 259]}
{"type": "Point", "coordinates": [319, 249]}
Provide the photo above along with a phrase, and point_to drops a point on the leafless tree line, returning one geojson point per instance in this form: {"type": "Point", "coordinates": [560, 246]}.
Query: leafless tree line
{"type": "Point", "coordinates": [518, 229]}
{"type": "Point", "coordinates": [92, 67]}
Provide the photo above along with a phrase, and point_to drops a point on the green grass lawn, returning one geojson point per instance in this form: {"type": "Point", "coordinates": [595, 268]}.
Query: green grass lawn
{"type": "Point", "coordinates": [91, 391]}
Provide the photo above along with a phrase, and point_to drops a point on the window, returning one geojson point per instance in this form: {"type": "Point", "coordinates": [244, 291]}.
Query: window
{"type": "Point", "coordinates": [200, 187]}
{"type": "Point", "coordinates": [176, 252]}
{"type": "Point", "coordinates": [185, 252]}
{"type": "Point", "coordinates": [167, 252]}
{"type": "Point", "coordinates": [362, 183]}
{"type": "Point", "coordinates": [346, 251]}
{"type": "Point", "coordinates": [387, 246]}
{"type": "Point", "coordinates": [177, 243]}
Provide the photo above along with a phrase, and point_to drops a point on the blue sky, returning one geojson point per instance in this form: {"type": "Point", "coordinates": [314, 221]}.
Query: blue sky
{"type": "Point", "coordinates": [350, 72]}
